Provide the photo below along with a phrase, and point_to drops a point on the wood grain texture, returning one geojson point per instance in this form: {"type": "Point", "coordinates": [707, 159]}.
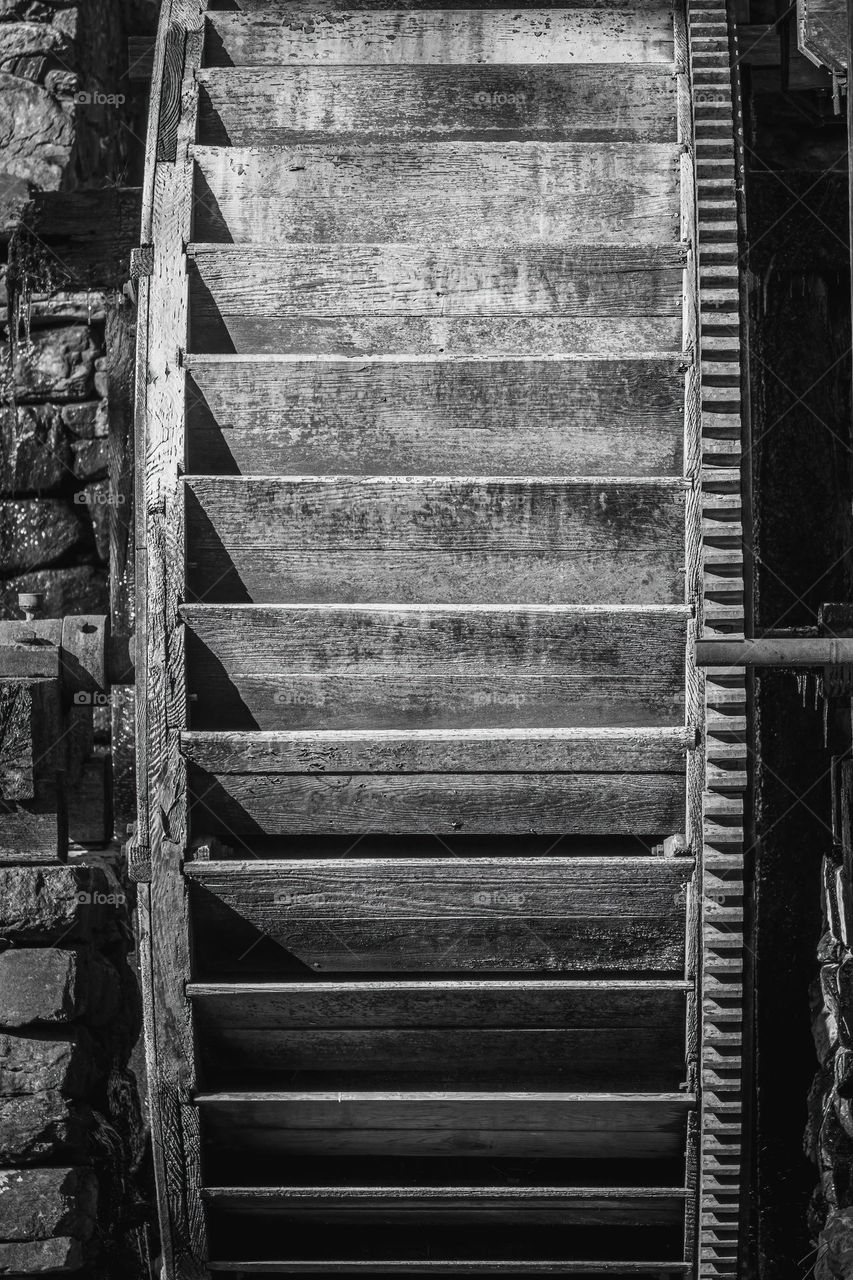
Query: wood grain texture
{"type": "Point", "coordinates": [170, 92]}
{"type": "Point", "coordinates": [628, 1058]}
{"type": "Point", "coordinates": [432, 751]}
{"type": "Point", "coordinates": [373, 667]}
{"type": "Point", "coordinates": [245, 107]}
{"type": "Point", "coordinates": [159, 447]}
{"type": "Point", "coordinates": [617, 337]}
{"type": "Point", "coordinates": [17, 734]}
{"type": "Point", "coordinates": [636, 1126]}
{"type": "Point", "coordinates": [570, 1206]}
{"type": "Point", "coordinates": [481, 803]}
{"type": "Point", "coordinates": [592, 1003]}
{"type": "Point", "coordinates": [401, 539]}
{"type": "Point", "coordinates": [436, 416]}
{"type": "Point", "coordinates": [467, 1265]}
{"type": "Point", "coordinates": [524, 192]}
{"type": "Point", "coordinates": [526, 226]}
{"type": "Point", "coordinates": [417, 280]}
{"type": "Point", "coordinates": [120, 338]}
{"type": "Point", "coordinates": [440, 37]}
{"type": "Point", "coordinates": [288, 7]}
{"type": "Point", "coordinates": [417, 915]}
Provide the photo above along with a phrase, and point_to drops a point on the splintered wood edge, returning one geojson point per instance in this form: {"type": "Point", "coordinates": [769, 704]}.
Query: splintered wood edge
{"type": "Point", "coordinates": [718, 160]}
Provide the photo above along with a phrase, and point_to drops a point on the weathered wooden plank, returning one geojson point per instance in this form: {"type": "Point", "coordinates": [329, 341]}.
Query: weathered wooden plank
{"type": "Point", "coordinates": [440, 36]}
{"type": "Point", "coordinates": [822, 33]}
{"type": "Point", "coordinates": [533, 417]}
{"type": "Point", "coordinates": [462, 1265]}
{"type": "Point", "coordinates": [373, 639]}
{"type": "Point", "coordinates": [422, 915]}
{"type": "Point", "coordinates": [615, 337]}
{"type": "Point", "coordinates": [628, 1058]}
{"type": "Point", "coordinates": [289, 7]}
{"type": "Point", "coordinates": [434, 751]}
{"type": "Point", "coordinates": [527, 1205]}
{"type": "Point", "coordinates": [17, 732]}
{"type": "Point", "coordinates": [245, 106]}
{"type": "Point", "coordinates": [33, 743]}
{"type": "Point", "coordinates": [379, 667]}
{"type": "Point", "coordinates": [428, 539]}
{"type": "Point", "coordinates": [635, 1126]}
{"type": "Point", "coordinates": [245, 700]}
{"type": "Point", "coordinates": [481, 803]}
{"type": "Point", "coordinates": [380, 888]}
{"type": "Point", "coordinates": [614, 193]}
{"type": "Point", "coordinates": [410, 281]}
{"type": "Point", "coordinates": [529, 1002]}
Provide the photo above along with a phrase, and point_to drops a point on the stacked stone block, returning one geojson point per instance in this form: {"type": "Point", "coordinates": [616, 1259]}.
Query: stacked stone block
{"type": "Point", "coordinates": [70, 1126]}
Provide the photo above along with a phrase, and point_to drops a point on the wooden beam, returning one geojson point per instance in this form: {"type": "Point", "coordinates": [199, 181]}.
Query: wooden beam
{"type": "Point", "coordinates": [33, 755]}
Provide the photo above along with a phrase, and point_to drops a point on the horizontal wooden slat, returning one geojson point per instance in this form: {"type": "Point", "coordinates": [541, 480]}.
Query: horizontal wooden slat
{"type": "Point", "coordinates": [432, 416]}
{"type": "Point", "coordinates": [435, 539]}
{"type": "Point", "coordinates": [529, 1002]}
{"type": "Point", "coordinates": [613, 193]}
{"type": "Point", "coordinates": [413, 280]}
{"type": "Point", "coordinates": [632, 1126]}
{"type": "Point", "coordinates": [617, 1206]}
{"type": "Point", "coordinates": [435, 751]}
{"type": "Point", "coordinates": [603, 1034]}
{"type": "Point", "coordinates": [571, 1206]}
{"type": "Point", "coordinates": [421, 888]}
{"type": "Point", "coordinates": [288, 7]}
{"type": "Point", "coordinates": [432, 666]}
{"type": "Point", "coordinates": [356, 335]}
{"type": "Point", "coordinates": [373, 639]}
{"type": "Point", "coordinates": [247, 804]}
{"type": "Point", "coordinates": [440, 36]}
{"type": "Point", "coordinates": [454, 914]}
{"type": "Point", "coordinates": [462, 1266]}
{"type": "Point", "coordinates": [628, 1058]}
{"type": "Point", "coordinates": [248, 106]}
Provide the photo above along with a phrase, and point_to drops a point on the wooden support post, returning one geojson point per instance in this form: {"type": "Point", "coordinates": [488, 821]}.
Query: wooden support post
{"type": "Point", "coordinates": [33, 811]}
{"type": "Point", "coordinates": [160, 704]}
{"type": "Point", "coordinates": [121, 356]}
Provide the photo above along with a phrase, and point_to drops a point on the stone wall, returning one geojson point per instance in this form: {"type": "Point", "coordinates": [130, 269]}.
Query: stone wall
{"type": "Point", "coordinates": [829, 1132]}
{"type": "Point", "coordinates": [54, 489]}
{"type": "Point", "coordinates": [68, 119]}
{"type": "Point", "coordinates": [73, 1147]}
{"type": "Point", "coordinates": [75, 1181]}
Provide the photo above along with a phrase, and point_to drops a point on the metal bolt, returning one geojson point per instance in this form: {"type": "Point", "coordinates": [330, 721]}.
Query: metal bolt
{"type": "Point", "coordinates": [31, 603]}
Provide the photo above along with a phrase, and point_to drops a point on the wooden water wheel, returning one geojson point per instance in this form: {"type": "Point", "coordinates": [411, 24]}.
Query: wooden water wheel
{"type": "Point", "coordinates": [440, 839]}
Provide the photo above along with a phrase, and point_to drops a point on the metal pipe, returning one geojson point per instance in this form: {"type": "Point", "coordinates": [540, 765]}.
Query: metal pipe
{"type": "Point", "coordinates": [811, 651]}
